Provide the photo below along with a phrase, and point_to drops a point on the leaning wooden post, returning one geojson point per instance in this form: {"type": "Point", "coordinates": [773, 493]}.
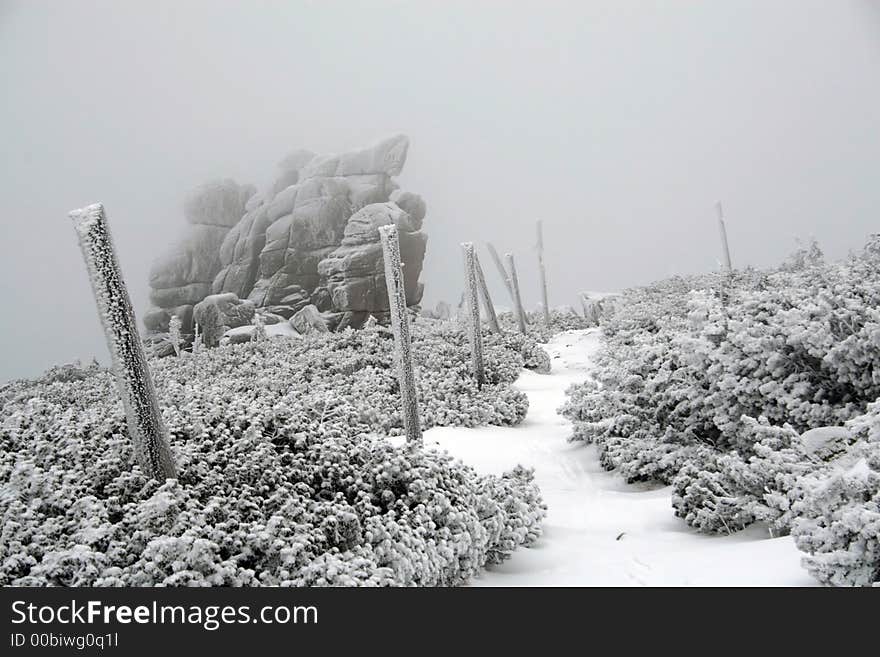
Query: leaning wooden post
{"type": "Point", "coordinates": [400, 326]}
{"type": "Point", "coordinates": [543, 274]}
{"type": "Point", "coordinates": [475, 329]}
{"type": "Point", "coordinates": [723, 229]}
{"type": "Point", "coordinates": [487, 298]}
{"type": "Point", "coordinates": [504, 275]}
{"type": "Point", "coordinates": [145, 425]}
{"type": "Point", "coordinates": [517, 299]}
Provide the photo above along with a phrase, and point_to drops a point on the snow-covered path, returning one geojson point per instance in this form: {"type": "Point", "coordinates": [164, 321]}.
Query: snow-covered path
{"type": "Point", "coordinates": [599, 530]}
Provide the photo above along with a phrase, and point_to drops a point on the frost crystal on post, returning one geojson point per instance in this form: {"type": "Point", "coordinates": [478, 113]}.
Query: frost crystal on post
{"type": "Point", "coordinates": [487, 298]}
{"type": "Point", "coordinates": [475, 331]}
{"type": "Point", "coordinates": [400, 326]}
{"type": "Point", "coordinates": [145, 425]}
{"type": "Point", "coordinates": [517, 299]}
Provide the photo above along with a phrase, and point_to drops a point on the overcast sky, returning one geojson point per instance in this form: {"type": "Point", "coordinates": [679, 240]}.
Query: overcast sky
{"type": "Point", "coordinates": [617, 123]}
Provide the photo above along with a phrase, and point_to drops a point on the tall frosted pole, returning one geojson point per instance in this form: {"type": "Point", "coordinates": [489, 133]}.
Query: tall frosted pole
{"type": "Point", "coordinates": [504, 275]}
{"type": "Point", "coordinates": [487, 298]}
{"type": "Point", "coordinates": [723, 229]}
{"type": "Point", "coordinates": [543, 273]}
{"type": "Point", "coordinates": [475, 329]}
{"type": "Point", "coordinates": [400, 326]}
{"type": "Point", "coordinates": [145, 425]}
{"type": "Point", "coordinates": [517, 299]}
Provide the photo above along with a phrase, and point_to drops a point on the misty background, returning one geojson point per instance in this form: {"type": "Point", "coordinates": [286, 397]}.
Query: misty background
{"type": "Point", "coordinates": [617, 123]}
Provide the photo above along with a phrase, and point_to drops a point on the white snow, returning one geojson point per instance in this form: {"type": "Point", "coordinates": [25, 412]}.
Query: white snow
{"type": "Point", "coordinates": [282, 329]}
{"type": "Point", "coordinates": [815, 439]}
{"type": "Point", "coordinates": [599, 530]}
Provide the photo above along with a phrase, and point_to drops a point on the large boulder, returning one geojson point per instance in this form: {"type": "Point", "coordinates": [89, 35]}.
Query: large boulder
{"type": "Point", "coordinates": [355, 272]}
{"type": "Point", "coordinates": [413, 205]}
{"type": "Point", "coordinates": [184, 275]}
{"type": "Point", "coordinates": [309, 320]}
{"type": "Point", "coordinates": [218, 313]}
{"type": "Point", "coordinates": [297, 226]}
{"type": "Point", "coordinates": [309, 238]}
{"type": "Point", "coordinates": [240, 254]}
{"type": "Point", "coordinates": [217, 203]}
{"type": "Point", "coordinates": [157, 320]}
{"type": "Point", "coordinates": [195, 259]}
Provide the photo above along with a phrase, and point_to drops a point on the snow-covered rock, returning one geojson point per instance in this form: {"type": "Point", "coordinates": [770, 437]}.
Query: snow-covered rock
{"type": "Point", "coordinates": [183, 276]}
{"type": "Point", "coordinates": [219, 312]}
{"type": "Point", "coordinates": [269, 247]}
{"type": "Point", "coordinates": [308, 320]}
{"type": "Point", "coordinates": [243, 334]}
{"type": "Point", "coordinates": [825, 442]}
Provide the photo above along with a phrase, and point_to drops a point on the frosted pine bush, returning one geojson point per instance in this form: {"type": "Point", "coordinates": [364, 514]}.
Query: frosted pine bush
{"type": "Point", "coordinates": [710, 382]}
{"type": "Point", "coordinates": [286, 476]}
{"type": "Point", "coordinates": [836, 510]}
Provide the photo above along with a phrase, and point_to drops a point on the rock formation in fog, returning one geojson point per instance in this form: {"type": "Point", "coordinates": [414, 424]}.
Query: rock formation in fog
{"type": "Point", "coordinates": [310, 238]}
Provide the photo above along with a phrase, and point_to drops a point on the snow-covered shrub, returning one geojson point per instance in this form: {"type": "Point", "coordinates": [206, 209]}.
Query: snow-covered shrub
{"type": "Point", "coordinates": [728, 493]}
{"type": "Point", "coordinates": [282, 481]}
{"type": "Point", "coordinates": [838, 522]}
{"type": "Point", "coordinates": [560, 320]}
{"type": "Point", "coordinates": [837, 510]}
{"type": "Point", "coordinates": [708, 382]}
{"type": "Point", "coordinates": [282, 478]}
{"type": "Point", "coordinates": [533, 355]}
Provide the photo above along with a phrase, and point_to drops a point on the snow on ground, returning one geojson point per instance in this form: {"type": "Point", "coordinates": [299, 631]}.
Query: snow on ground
{"type": "Point", "coordinates": [599, 530]}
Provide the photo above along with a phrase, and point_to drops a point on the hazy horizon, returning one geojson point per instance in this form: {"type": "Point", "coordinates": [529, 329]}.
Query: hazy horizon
{"type": "Point", "coordinates": [619, 124]}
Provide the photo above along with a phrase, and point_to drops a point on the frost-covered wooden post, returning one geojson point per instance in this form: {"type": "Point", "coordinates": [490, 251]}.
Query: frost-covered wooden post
{"type": "Point", "coordinates": [487, 298]}
{"type": "Point", "coordinates": [400, 326]}
{"type": "Point", "coordinates": [517, 299]}
{"type": "Point", "coordinates": [475, 329]}
{"type": "Point", "coordinates": [723, 229]}
{"type": "Point", "coordinates": [543, 274]}
{"type": "Point", "coordinates": [504, 275]}
{"type": "Point", "coordinates": [503, 272]}
{"type": "Point", "coordinates": [145, 425]}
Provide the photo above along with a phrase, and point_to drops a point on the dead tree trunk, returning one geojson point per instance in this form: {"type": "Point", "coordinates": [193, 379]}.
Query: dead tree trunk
{"type": "Point", "coordinates": [145, 425]}
{"type": "Point", "coordinates": [543, 274]}
{"type": "Point", "coordinates": [517, 299]}
{"type": "Point", "coordinates": [475, 329]}
{"type": "Point", "coordinates": [400, 326]}
{"type": "Point", "coordinates": [487, 298]}
{"type": "Point", "coordinates": [723, 230]}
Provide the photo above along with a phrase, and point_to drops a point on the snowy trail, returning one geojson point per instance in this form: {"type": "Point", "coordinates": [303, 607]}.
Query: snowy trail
{"type": "Point", "coordinates": [599, 530]}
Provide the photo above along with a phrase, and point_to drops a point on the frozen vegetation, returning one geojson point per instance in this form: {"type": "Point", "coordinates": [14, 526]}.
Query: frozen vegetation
{"type": "Point", "coordinates": [600, 530]}
{"type": "Point", "coordinates": [749, 399]}
{"type": "Point", "coordinates": [754, 394]}
{"type": "Point", "coordinates": [286, 476]}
